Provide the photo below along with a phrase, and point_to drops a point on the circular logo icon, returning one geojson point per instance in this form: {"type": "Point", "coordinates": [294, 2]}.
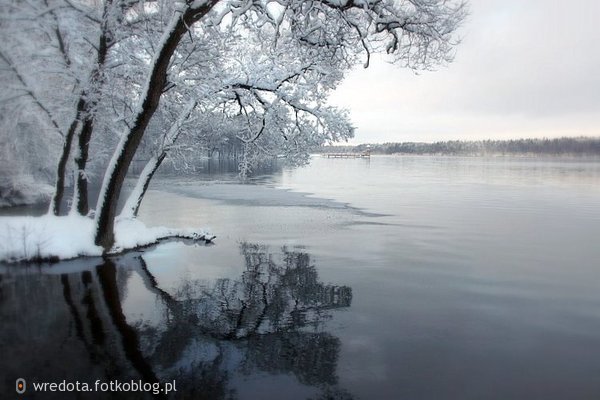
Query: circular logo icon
{"type": "Point", "coordinates": [21, 385]}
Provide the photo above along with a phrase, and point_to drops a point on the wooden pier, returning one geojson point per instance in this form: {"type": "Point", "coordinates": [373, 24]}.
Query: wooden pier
{"type": "Point", "coordinates": [365, 154]}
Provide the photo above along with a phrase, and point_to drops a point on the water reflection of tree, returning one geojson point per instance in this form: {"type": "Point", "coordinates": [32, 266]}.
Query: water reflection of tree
{"type": "Point", "coordinates": [269, 320]}
{"type": "Point", "coordinates": [269, 297]}
{"type": "Point", "coordinates": [271, 315]}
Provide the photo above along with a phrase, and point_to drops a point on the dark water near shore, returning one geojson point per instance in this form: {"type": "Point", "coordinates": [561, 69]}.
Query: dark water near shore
{"type": "Point", "coordinates": [388, 278]}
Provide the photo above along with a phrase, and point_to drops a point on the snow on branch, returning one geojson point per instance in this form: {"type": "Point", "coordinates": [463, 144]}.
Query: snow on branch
{"type": "Point", "coordinates": [29, 91]}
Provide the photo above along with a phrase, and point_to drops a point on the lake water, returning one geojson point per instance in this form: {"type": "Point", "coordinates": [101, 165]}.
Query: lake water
{"type": "Point", "coordinates": [382, 278]}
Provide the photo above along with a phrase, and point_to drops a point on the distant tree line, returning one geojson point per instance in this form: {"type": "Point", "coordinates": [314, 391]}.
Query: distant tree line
{"type": "Point", "coordinates": [558, 146]}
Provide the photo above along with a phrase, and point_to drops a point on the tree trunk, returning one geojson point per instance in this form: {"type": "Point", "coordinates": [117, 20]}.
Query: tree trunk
{"type": "Point", "coordinates": [80, 195]}
{"type": "Point", "coordinates": [59, 188]}
{"type": "Point", "coordinates": [130, 210]}
{"type": "Point", "coordinates": [132, 206]}
{"type": "Point", "coordinates": [127, 147]}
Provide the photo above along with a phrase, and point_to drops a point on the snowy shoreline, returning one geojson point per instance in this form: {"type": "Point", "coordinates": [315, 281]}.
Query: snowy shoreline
{"type": "Point", "coordinates": [52, 238]}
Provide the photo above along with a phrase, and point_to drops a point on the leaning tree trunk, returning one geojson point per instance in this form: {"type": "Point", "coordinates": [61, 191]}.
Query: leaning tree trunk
{"type": "Point", "coordinates": [127, 147]}
{"type": "Point", "coordinates": [132, 205]}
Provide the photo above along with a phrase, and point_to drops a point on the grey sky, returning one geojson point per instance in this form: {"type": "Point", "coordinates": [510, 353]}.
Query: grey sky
{"type": "Point", "coordinates": [525, 68]}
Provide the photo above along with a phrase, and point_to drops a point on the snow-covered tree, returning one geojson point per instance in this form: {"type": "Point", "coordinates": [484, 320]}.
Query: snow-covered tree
{"type": "Point", "coordinates": [416, 33]}
{"type": "Point", "coordinates": [149, 73]}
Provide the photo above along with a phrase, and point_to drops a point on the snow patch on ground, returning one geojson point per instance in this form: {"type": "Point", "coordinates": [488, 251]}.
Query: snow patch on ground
{"type": "Point", "coordinates": [66, 237]}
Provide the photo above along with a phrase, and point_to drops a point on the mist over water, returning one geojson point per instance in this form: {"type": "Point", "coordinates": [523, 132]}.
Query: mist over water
{"type": "Point", "coordinates": [395, 277]}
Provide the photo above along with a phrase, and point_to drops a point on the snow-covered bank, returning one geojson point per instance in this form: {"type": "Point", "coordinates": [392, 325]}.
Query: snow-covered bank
{"type": "Point", "coordinates": [50, 237]}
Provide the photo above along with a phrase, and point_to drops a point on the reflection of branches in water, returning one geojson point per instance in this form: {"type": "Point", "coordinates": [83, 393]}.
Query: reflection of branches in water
{"type": "Point", "coordinates": [334, 393]}
{"type": "Point", "coordinates": [311, 357]}
{"type": "Point", "coordinates": [270, 297]}
{"type": "Point", "coordinates": [264, 315]}
{"type": "Point", "coordinates": [269, 319]}
{"type": "Point", "coordinates": [206, 379]}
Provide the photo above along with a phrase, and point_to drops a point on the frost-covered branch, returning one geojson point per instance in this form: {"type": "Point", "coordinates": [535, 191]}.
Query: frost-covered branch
{"type": "Point", "coordinates": [29, 91]}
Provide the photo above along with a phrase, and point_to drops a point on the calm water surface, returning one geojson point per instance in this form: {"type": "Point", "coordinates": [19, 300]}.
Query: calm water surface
{"type": "Point", "coordinates": [388, 278]}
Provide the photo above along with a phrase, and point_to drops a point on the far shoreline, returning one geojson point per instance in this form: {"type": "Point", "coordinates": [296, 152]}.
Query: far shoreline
{"type": "Point", "coordinates": [564, 146]}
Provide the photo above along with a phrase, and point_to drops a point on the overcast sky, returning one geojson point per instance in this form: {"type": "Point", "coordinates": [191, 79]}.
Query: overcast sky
{"type": "Point", "coordinates": [525, 68]}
